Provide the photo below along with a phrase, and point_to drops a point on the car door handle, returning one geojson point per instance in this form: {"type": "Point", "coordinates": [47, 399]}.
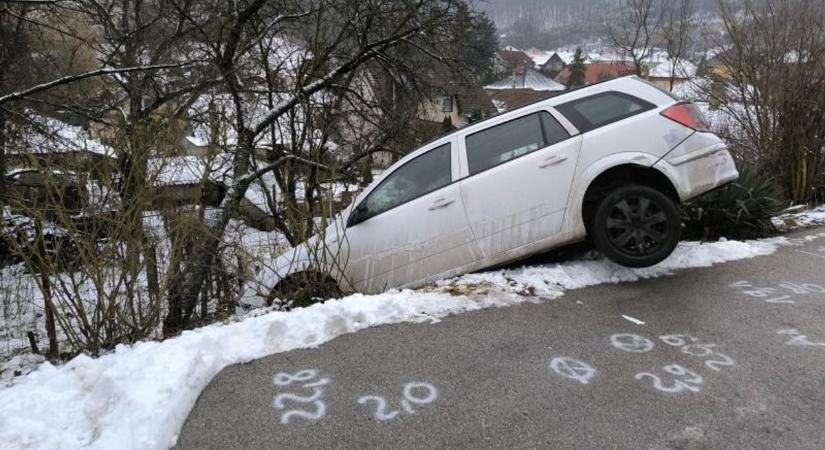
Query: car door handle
{"type": "Point", "coordinates": [441, 203]}
{"type": "Point", "coordinates": [552, 161]}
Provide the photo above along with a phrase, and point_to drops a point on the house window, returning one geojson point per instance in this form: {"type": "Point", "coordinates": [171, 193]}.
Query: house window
{"type": "Point", "coordinates": [447, 104]}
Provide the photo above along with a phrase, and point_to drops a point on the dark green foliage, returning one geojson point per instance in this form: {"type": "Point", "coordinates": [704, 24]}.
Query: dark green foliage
{"type": "Point", "coordinates": [577, 77]}
{"type": "Point", "coordinates": [819, 189]}
{"type": "Point", "coordinates": [476, 116]}
{"type": "Point", "coordinates": [477, 41]}
{"type": "Point", "coordinates": [447, 125]}
{"type": "Point", "coordinates": [742, 210]}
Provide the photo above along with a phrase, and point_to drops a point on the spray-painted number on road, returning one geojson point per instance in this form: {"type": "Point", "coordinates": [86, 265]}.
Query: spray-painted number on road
{"type": "Point", "coordinates": [315, 408]}
{"type": "Point", "coordinates": [799, 339]}
{"type": "Point", "coordinates": [690, 345]}
{"type": "Point", "coordinates": [785, 292]}
{"type": "Point", "coordinates": [414, 394]}
{"type": "Point", "coordinates": [308, 404]}
{"type": "Point", "coordinates": [676, 378]}
{"type": "Point", "coordinates": [682, 379]}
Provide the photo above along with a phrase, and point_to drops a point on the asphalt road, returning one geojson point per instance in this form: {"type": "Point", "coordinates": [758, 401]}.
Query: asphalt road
{"type": "Point", "coordinates": [731, 356]}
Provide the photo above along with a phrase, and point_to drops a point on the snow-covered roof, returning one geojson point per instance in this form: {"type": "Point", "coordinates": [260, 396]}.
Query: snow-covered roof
{"type": "Point", "coordinates": [216, 112]}
{"type": "Point", "coordinates": [541, 59]}
{"type": "Point", "coordinates": [529, 79]}
{"type": "Point", "coordinates": [566, 56]}
{"type": "Point", "coordinates": [695, 90]}
{"type": "Point", "coordinates": [663, 68]}
{"type": "Point", "coordinates": [49, 135]}
{"type": "Point", "coordinates": [190, 170]}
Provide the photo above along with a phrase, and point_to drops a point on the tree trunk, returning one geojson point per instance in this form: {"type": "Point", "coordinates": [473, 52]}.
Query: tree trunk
{"type": "Point", "coordinates": [46, 288]}
{"type": "Point", "coordinates": [150, 254]}
{"type": "Point", "coordinates": [186, 286]}
{"type": "Point", "coordinates": [2, 158]}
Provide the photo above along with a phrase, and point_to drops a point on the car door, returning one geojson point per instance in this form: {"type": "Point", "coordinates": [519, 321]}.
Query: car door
{"type": "Point", "coordinates": [412, 226]}
{"type": "Point", "coordinates": [518, 177]}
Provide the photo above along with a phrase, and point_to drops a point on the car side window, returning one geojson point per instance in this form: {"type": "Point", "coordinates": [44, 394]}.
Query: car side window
{"type": "Point", "coordinates": [553, 130]}
{"type": "Point", "coordinates": [599, 110]}
{"type": "Point", "coordinates": [424, 174]}
{"type": "Point", "coordinates": [502, 143]}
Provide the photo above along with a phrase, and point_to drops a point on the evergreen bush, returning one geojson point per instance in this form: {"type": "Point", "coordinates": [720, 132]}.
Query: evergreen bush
{"type": "Point", "coordinates": [741, 210]}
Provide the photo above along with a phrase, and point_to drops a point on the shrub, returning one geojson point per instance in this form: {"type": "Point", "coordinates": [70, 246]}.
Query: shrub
{"type": "Point", "coordinates": [819, 194]}
{"type": "Point", "coordinates": [741, 210]}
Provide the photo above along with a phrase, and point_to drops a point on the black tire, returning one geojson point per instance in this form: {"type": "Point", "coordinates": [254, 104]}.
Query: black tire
{"type": "Point", "coordinates": [305, 289]}
{"type": "Point", "coordinates": [636, 226]}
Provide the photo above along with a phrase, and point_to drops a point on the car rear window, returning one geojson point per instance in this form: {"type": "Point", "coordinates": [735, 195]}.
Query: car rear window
{"type": "Point", "coordinates": [502, 143]}
{"type": "Point", "coordinates": [599, 110]}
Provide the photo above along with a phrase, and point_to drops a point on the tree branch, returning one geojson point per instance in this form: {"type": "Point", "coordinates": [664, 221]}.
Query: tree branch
{"type": "Point", "coordinates": [82, 76]}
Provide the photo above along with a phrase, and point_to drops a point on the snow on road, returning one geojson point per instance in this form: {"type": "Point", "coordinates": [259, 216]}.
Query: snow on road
{"type": "Point", "coordinates": [139, 396]}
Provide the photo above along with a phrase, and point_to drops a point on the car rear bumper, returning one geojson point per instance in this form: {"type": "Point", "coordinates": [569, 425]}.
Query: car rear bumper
{"type": "Point", "coordinates": [700, 171]}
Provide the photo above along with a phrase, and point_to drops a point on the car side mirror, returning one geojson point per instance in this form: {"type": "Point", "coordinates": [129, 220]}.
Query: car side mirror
{"type": "Point", "coordinates": [358, 215]}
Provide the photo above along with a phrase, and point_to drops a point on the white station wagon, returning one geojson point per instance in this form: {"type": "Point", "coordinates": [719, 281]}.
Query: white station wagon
{"type": "Point", "coordinates": [610, 161]}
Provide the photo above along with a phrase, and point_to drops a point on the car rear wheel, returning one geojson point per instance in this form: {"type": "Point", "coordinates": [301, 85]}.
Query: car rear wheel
{"type": "Point", "coordinates": [636, 226]}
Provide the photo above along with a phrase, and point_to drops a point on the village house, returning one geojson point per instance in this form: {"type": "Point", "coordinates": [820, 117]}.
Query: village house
{"type": "Point", "coordinates": [460, 99]}
{"type": "Point", "coordinates": [522, 88]}
{"type": "Point", "coordinates": [669, 75]}
{"type": "Point", "coordinates": [510, 61]}
{"type": "Point", "coordinates": [598, 71]}
{"type": "Point", "coordinates": [553, 65]}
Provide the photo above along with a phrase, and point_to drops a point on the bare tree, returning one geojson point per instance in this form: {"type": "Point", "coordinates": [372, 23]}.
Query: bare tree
{"type": "Point", "coordinates": [676, 33]}
{"type": "Point", "coordinates": [636, 31]}
{"type": "Point", "coordinates": [343, 37]}
{"type": "Point", "coordinates": [772, 89]}
{"type": "Point", "coordinates": [295, 96]}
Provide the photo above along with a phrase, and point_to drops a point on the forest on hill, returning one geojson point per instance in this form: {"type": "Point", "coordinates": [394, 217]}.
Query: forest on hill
{"type": "Point", "coordinates": [553, 23]}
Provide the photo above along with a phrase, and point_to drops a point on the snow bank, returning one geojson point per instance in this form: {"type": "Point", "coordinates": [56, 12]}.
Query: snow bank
{"type": "Point", "coordinates": [138, 397]}
{"type": "Point", "coordinates": [551, 281]}
{"type": "Point", "coordinates": [806, 219]}
{"type": "Point", "coordinates": [812, 217]}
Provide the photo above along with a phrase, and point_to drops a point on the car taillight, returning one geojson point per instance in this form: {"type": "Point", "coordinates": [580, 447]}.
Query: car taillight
{"type": "Point", "coordinates": [688, 115]}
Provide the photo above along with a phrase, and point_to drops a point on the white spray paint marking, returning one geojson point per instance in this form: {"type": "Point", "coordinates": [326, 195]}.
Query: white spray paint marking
{"type": "Point", "coordinates": [717, 360]}
{"type": "Point", "coordinates": [689, 345]}
{"type": "Point", "coordinates": [634, 320]}
{"type": "Point", "coordinates": [811, 254]}
{"type": "Point", "coordinates": [676, 378]}
{"type": "Point", "coordinates": [677, 340]}
{"type": "Point", "coordinates": [774, 294]}
{"type": "Point", "coordinates": [573, 369]}
{"type": "Point", "coordinates": [412, 396]}
{"type": "Point", "coordinates": [683, 380]}
{"type": "Point", "coordinates": [381, 407]}
{"type": "Point", "coordinates": [285, 379]}
{"type": "Point", "coordinates": [632, 343]}
{"type": "Point", "coordinates": [803, 289]}
{"type": "Point", "coordinates": [799, 338]}
{"type": "Point", "coordinates": [410, 399]}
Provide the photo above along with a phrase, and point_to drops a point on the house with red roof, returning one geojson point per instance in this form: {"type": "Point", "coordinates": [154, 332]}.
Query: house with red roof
{"type": "Point", "coordinates": [599, 71]}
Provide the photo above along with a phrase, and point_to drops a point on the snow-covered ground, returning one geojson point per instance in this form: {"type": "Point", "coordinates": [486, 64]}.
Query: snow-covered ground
{"type": "Point", "coordinates": [793, 221]}
{"type": "Point", "coordinates": [139, 396]}
{"type": "Point", "coordinates": [21, 298]}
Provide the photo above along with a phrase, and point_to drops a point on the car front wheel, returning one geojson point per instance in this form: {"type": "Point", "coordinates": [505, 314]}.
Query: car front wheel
{"type": "Point", "coordinates": [636, 226]}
